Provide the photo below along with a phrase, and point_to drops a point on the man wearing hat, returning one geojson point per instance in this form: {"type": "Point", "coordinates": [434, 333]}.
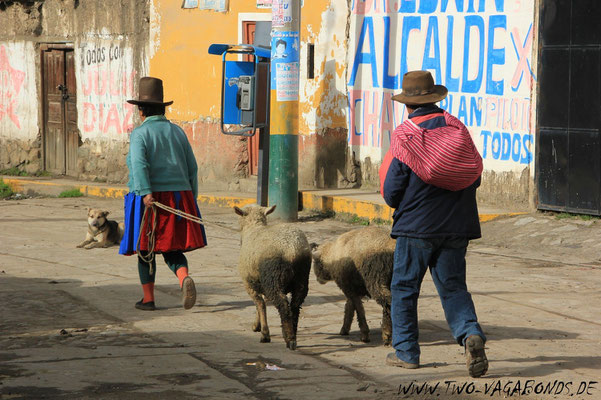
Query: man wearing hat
{"type": "Point", "coordinates": [430, 176]}
{"type": "Point", "coordinates": [162, 169]}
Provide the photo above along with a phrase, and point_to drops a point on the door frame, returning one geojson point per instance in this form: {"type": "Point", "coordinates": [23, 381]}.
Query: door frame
{"type": "Point", "coordinates": [250, 17]}
{"type": "Point", "coordinates": [43, 48]}
{"type": "Point", "coordinates": [252, 141]}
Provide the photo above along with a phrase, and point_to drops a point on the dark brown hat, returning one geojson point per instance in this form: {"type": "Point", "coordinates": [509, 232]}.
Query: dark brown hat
{"type": "Point", "coordinates": [150, 92]}
{"type": "Point", "coordinates": [419, 88]}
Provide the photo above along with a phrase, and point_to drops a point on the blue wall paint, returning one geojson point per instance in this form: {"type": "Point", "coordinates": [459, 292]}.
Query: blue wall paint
{"type": "Point", "coordinates": [369, 57]}
{"type": "Point", "coordinates": [472, 85]}
{"type": "Point", "coordinates": [505, 146]}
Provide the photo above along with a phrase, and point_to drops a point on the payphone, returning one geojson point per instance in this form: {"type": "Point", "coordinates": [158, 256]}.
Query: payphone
{"type": "Point", "coordinates": [245, 94]}
{"type": "Point", "coordinates": [245, 88]}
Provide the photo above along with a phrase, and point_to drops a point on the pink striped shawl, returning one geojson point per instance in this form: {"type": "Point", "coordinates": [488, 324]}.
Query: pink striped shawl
{"type": "Point", "coordinates": [445, 157]}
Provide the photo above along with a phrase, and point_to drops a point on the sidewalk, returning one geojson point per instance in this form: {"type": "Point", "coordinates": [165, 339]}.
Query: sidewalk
{"type": "Point", "coordinates": [356, 203]}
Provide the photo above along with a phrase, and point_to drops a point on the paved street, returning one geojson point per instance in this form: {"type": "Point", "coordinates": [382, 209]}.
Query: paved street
{"type": "Point", "coordinates": [68, 328]}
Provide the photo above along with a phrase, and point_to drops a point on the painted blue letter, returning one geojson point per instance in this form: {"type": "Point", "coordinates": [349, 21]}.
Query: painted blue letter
{"type": "Point", "coordinates": [407, 6]}
{"type": "Point", "coordinates": [388, 81]}
{"type": "Point", "coordinates": [494, 56]}
{"type": "Point", "coordinates": [445, 3]}
{"type": "Point", "coordinates": [462, 113]}
{"type": "Point", "coordinates": [409, 23]}
{"type": "Point", "coordinates": [505, 146]}
{"type": "Point", "coordinates": [486, 135]}
{"type": "Point", "coordinates": [451, 83]}
{"type": "Point", "coordinates": [366, 58]}
{"type": "Point", "coordinates": [432, 62]}
{"type": "Point", "coordinates": [516, 147]}
{"type": "Point", "coordinates": [474, 85]}
{"type": "Point", "coordinates": [499, 4]}
{"type": "Point", "coordinates": [476, 111]}
{"type": "Point", "coordinates": [427, 6]}
{"type": "Point", "coordinates": [527, 157]}
{"type": "Point", "coordinates": [495, 149]}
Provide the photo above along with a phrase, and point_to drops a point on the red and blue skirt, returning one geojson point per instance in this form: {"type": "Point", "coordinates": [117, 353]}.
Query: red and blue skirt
{"type": "Point", "coordinates": [172, 232]}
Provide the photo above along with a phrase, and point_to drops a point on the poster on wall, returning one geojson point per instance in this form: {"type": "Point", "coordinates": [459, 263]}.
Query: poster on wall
{"type": "Point", "coordinates": [190, 4]}
{"type": "Point", "coordinates": [281, 13]}
{"type": "Point", "coordinates": [285, 61]}
{"type": "Point", "coordinates": [263, 3]}
{"type": "Point", "coordinates": [481, 51]}
{"type": "Point", "coordinates": [268, 3]}
{"type": "Point", "coordinates": [215, 5]}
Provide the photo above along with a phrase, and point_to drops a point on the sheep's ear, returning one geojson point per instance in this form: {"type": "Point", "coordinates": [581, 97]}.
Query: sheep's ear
{"type": "Point", "coordinates": [269, 210]}
{"type": "Point", "coordinates": [239, 211]}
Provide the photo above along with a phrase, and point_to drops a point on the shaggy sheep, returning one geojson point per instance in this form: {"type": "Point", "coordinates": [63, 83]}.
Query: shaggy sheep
{"type": "Point", "coordinates": [274, 260]}
{"type": "Point", "coordinates": [360, 262]}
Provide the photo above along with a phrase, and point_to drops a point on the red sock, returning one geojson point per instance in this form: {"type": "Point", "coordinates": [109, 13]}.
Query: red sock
{"type": "Point", "coordinates": [148, 289]}
{"type": "Point", "coordinates": [181, 273]}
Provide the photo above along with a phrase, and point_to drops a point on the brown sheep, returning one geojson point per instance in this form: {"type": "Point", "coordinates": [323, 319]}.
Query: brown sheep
{"type": "Point", "coordinates": [274, 260]}
{"type": "Point", "coordinates": [360, 262]}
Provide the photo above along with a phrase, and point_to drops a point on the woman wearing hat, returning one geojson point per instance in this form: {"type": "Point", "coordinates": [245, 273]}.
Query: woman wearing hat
{"type": "Point", "coordinates": [430, 176]}
{"type": "Point", "coordinates": [162, 168]}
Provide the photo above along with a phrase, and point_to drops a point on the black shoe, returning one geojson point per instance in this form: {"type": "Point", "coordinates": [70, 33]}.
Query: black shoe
{"type": "Point", "coordinates": [392, 359]}
{"type": "Point", "coordinates": [477, 363]}
{"type": "Point", "coordinates": [148, 306]}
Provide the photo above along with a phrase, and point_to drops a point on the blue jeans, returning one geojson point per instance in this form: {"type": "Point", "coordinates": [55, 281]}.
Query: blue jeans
{"type": "Point", "coordinates": [446, 259]}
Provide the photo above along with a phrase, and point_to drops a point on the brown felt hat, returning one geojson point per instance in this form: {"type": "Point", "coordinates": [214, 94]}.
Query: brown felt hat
{"type": "Point", "coordinates": [150, 92]}
{"type": "Point", "coordinates": [419, 88]}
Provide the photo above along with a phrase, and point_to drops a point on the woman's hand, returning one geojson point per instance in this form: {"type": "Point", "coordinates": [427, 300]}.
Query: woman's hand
{"type": "Point", "coordinates": [148, 200]}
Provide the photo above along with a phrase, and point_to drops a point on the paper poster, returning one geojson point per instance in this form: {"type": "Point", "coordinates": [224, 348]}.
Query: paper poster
{"type": "Point", "coordinates": [268, 3]}
{"type": "Point", "coordinates": [215, 5]}
{"type": "Point", "coordinates": [284, 46]}
{"type": "Point", "coordinates": [287, 81]}
{"type": "Point", "coordinates": [190, 4]}
{"type": "Point", "coordinates": [285, 64]}
{"type": "Point", "coordinates": [281, 13]}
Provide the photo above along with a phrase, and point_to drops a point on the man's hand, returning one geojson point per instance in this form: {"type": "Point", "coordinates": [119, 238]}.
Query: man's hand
{"type": "Point", "coordinates": [148, 200]}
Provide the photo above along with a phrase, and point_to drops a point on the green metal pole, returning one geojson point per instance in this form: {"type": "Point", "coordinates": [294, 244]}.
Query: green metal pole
{"type": "Point", "coordinates": [283, 138]}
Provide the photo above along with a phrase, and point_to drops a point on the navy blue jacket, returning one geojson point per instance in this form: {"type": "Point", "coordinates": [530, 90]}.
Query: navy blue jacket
{"type": "Point", "coordinates": [423, 210]}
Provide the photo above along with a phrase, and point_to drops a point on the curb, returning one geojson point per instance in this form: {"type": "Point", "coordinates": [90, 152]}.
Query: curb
{"type": "Point", "coordinates": [308, 200]}
{"type": "Point", "coordinates": [344, 205]}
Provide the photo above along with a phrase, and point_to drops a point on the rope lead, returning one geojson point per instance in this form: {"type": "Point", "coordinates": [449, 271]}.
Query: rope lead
{"type": "Point", "coordinates": [151, 234]}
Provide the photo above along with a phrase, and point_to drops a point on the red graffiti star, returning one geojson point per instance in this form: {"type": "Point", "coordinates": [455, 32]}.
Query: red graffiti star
{"type": "Point", "coordinates": [11, 82]}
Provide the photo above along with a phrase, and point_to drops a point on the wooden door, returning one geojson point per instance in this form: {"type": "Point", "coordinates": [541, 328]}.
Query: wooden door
{"type": "Point", "coordinates": [72, 141]}
{"type": "Point", "coordinates": [249, 28]}
{"type": "Point", "coordinates": [61, 136]}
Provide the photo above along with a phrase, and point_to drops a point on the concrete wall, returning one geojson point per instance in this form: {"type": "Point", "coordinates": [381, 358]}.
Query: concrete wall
{"type": "Point", "coordinates": [194, 85]}
{"type": "Point", "coordinates": [481, 50]}
{"type": "Point", "coordinates": [18, 106]}
{"type": "Point", "coordinates": [103, 36]}
{"type": "Point", "coordinates": [18, 91]}
{"type": "Point", "coordinates": [178, 47]}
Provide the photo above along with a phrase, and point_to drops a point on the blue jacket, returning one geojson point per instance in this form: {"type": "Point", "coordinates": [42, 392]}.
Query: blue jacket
{"type": "Point", "coordinates": [160, 158]}
{"type": "Point", "coordinates": [423, 210]}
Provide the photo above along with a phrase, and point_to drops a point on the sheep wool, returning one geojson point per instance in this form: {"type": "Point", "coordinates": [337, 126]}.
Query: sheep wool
{"type": "Point", "coordinates": [274, 260]}
{"type": "Point", "coordinates": [360, 262]}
